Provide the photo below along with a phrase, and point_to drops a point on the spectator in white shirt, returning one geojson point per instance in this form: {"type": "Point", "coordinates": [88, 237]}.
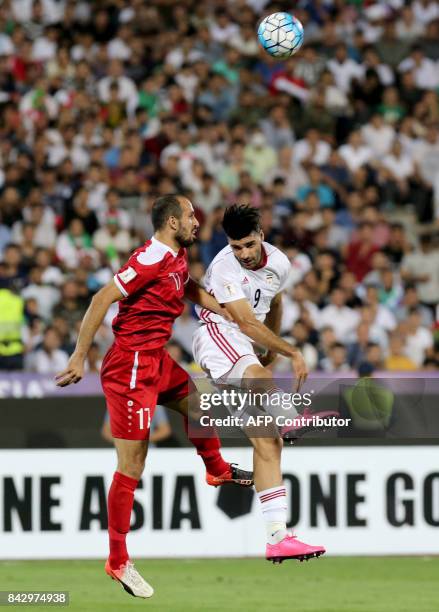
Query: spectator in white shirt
{"type": "Point", "coordinates": [383, 316]}
{"type": "Point", "coordinates": [286, 168]}
{"type": "Point", "coordinates": [336, 361]}
{"type": "Point", "coordinates": [426, 10]}
{"type": "Point", "coordinates": [112, 208]}
{"type": "Point", "coordinates": [50, 358]}
{"type": "Point", "coordinates": [419, 340]}
{"type": "Point", "coordinates": [378, 135]}
{"type": "Point", "coordinates": [208, 196]}
{"type": "Point", "coordinates": [425, 71]}
{"type": "Point", "coordinates": [50, 274]}
{"type": "Point", "coordinates": [45, 295]}
{"type": "Point", "coordinates": [112, 239]}
{"type": "Point", "coordinates": [344, 69]}
{"type": "Point", "coordinates": [127, 91]}
{"type": "Point", "coordinates": [300, 338]}
{"type": "Point", "coordinates": [337, 315]}
{"type": "Point", "coordinates": [223, 29]}
{"type": "Point", "coordinates": [277, 128]}
{"type": "Point", "coordinates": [245, 41]}
{"type": "Point", "coordinates": [184, 54]}
{"type": "Point", "coordinates": [422, 268]}
{"type": "Point", "coordinates": [356, 154]}
{"type": "Point", "coordinates": [408, 27]}
{"type": "Point", "coordinates": [119, 47]}
{"type": "Point", "coordinates": [295, 302]}
{"type": "Point", "coordinates": [372, 61]}
{"type": "Point", "coordinates": [399, 165]}
{"type": "Point", "coordinates": [45, 47]}
{"type": "Point", "coordinates": [312, 149]}
{"type": "Point", "coordinates": [336, 100]}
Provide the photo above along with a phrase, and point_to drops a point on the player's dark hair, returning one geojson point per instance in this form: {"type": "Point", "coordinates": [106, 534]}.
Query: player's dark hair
{"type": "Point", "coordinates": [164, 207]}
{"type": "Point", "coordinates": [240, 221]}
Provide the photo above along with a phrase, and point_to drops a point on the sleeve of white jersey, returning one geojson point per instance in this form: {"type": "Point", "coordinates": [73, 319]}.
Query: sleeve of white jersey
{"type": "Point", "coordinates": [284, 269]}
{"type": "Point", "coordinates": [225, 282]}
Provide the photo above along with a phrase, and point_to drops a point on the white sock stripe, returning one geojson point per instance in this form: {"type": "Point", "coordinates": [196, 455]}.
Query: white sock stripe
{"type": "Point", "coordinates": [273, 496]}
{"type": "Point", "coordinates": [269, 492]}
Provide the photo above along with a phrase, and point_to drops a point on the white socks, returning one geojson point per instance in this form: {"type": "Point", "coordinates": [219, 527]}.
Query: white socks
{"type": "Point", "coordinates": [274, 509]}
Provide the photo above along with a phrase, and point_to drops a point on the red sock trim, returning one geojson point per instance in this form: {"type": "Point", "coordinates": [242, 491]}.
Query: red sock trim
{"type": "Point", "coordinates": [127, 481]}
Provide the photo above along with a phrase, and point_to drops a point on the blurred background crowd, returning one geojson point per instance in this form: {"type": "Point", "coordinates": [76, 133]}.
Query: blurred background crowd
{"type": "Point", "coordinates": [104, 105]}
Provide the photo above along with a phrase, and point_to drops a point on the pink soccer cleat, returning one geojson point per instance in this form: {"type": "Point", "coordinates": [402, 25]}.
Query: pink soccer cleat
{"type": "Point", "coordinates": [305, 424]}
{"type": "Point", "coordinates": [292, 548]}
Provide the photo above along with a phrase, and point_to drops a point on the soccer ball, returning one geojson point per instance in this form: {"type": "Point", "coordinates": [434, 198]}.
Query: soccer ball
{"type": "Point", "coordinates": [281, 34]}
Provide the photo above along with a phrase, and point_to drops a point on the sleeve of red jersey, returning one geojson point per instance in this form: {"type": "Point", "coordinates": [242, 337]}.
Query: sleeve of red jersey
{"type": "Point", "coordinates": [136, 274]}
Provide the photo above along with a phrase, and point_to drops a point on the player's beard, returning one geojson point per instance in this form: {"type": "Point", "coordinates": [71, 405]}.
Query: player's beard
{"type": "Point", "coordinates": [184, 241]}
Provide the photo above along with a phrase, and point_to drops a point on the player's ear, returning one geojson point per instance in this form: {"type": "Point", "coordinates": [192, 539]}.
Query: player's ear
{"type": "Point", "coordinates": [173, 222]}
{"type": "Point", "coordinates": [261, 233]}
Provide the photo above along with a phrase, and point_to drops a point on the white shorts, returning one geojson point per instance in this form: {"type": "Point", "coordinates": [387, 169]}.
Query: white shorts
{"type": "Point", "coordinates": [223, 352]}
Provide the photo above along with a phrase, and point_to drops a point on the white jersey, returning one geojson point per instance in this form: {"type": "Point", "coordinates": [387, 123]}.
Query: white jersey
{"type": "Point", "coordinates": [228, 281]}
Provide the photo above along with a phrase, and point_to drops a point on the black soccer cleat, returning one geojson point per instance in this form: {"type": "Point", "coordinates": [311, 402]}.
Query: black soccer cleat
{"type": "Point", "coordinates": [234, 475]}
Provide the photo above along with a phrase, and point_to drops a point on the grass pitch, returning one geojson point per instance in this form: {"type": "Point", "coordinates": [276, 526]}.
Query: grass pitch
{"type": "Point", "coordinates": [340, 584]}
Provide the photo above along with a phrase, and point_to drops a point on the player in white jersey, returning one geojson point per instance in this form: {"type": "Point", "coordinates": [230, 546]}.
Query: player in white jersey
{"type": "Point", "coordinates": [247, 278]}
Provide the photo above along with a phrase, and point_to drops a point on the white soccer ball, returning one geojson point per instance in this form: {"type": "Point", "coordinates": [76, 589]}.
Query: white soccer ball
{"type": "Point", "coordinates": [280, 34]}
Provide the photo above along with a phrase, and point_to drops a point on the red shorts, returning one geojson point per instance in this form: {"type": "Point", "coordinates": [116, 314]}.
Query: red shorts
{"type": "Point", "coordinates": [134, 383]}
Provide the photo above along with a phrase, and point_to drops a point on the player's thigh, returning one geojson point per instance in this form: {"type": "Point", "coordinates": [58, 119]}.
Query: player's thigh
{"type": "Point", "coordinates": [223, 352]}
{"type": "Point", "coordinates": [130, 384]}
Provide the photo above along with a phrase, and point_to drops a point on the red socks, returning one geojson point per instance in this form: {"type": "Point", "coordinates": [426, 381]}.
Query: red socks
{"type": "Point", "coordinates": [207, 448]}
{"type": "Point", "coordinates": [120, 505]}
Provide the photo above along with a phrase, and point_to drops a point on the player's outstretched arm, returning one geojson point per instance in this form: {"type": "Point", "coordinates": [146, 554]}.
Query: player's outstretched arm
{"type": "Point", "coordinates": [90, 324]}
{"type": "Point", "coordinates": [198, 295]}
{"type": "Point", "coordinates": [242, 313]}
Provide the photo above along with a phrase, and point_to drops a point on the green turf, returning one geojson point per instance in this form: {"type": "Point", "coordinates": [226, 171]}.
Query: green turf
{"type": "Point", "coordinates": [340, 584]}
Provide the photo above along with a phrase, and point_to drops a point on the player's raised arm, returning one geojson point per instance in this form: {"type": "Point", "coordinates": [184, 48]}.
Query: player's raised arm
{"type": "Point", "coordinates": [90, 324]}
{"type": "Point", "coordinates": [242, 313]}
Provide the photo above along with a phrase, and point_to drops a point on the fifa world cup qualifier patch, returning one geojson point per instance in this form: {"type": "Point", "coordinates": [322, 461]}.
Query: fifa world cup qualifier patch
{"type": "Point", "coordinates": [231, 290]}
{"type": "Point", "coordinates": [127, 275]}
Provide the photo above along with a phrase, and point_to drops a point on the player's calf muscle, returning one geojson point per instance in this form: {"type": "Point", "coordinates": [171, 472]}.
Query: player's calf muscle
{"type": "Point", "coordinates": [268, 449]}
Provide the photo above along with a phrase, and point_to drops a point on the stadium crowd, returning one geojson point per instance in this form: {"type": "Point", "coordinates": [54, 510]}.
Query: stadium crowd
{"type": "Point", "coordinates": [105, 105]}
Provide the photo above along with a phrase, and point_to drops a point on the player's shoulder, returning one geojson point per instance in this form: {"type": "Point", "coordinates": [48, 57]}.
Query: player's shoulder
{"type": "Point", "coordinates": [275, 257]}
{"type": "Point", "coordinates": [151, 253]}
{"type": "Point", "coordinates": [224, 259]}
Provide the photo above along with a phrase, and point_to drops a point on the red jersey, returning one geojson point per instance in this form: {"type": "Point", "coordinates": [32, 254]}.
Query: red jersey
{"type": "Point", "coordinates": [152, 282]}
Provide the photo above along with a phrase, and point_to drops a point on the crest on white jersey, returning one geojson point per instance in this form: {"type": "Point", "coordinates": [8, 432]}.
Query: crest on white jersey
{"type": "Point", "coordinates": [230, 288]}
{"type": "Point", "coordinates": [269, 278]}
{"type": "Point", "coordinates": [127, 275]}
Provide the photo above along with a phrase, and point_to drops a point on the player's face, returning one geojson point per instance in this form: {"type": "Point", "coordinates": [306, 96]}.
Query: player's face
{"type": "Point", "coordinates": [248, 251]}
{"type": "Point", "coordinates": [188, 224]}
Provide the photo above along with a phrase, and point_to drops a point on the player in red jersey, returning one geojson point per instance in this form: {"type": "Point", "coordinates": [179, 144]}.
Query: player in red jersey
{"type": "Point", "coordinates": [137, 372]}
